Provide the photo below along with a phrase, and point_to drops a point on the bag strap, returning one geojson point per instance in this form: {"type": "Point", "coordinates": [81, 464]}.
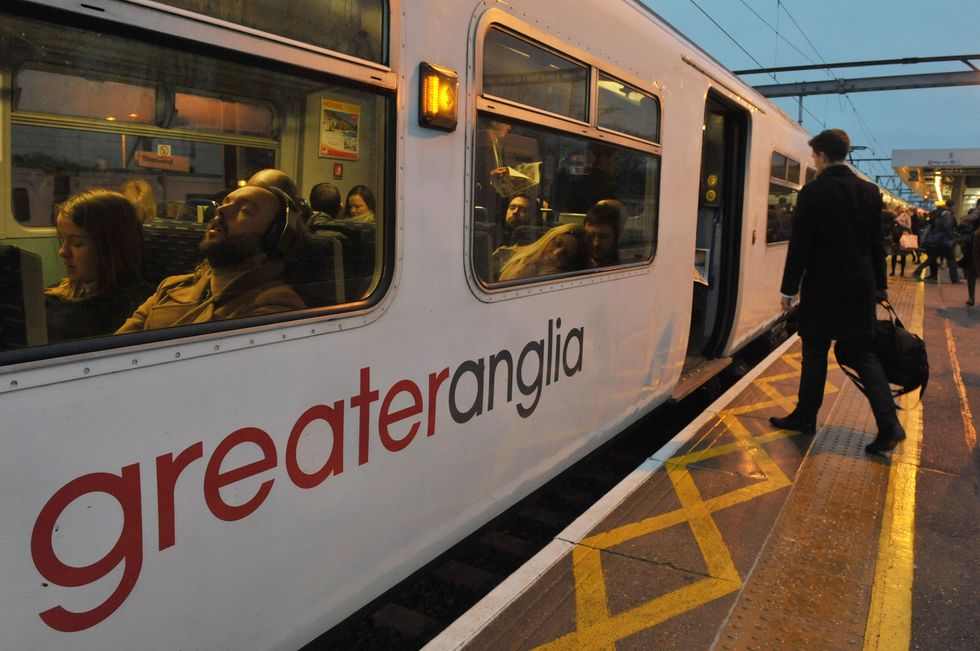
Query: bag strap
{"type": "Point", "coordinates": [892, 314]}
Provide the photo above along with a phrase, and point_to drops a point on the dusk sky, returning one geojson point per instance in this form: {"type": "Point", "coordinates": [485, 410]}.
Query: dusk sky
{"type": "Point", "coordinates": [851, 30]}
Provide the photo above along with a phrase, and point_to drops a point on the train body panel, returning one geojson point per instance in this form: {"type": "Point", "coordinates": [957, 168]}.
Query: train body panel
{"type": "Point", "coordinates": [369, 440]}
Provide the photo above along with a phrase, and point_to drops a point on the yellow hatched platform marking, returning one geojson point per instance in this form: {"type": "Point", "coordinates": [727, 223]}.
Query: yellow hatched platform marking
{"type": "Point", "coordinates": [890, 612]}
{"type": "Point", "coordinates": [596, 626]}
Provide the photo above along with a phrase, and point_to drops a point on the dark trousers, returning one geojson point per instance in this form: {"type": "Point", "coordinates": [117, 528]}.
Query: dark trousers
{"type": "Point", "coordinates": [856, 354]}
{"type": "Point", "coordinates": [896, 257]}
{"type": "Point", "coordinates": [946, 254]}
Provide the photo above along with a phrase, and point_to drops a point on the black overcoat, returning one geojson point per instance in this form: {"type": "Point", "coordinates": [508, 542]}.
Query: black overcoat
{"type": "Point", "coordinates": [835, 257]}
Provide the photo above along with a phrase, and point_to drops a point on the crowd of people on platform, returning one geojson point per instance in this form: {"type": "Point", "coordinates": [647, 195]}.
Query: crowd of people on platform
{"type": "Point", "coordinates": [934, 239]}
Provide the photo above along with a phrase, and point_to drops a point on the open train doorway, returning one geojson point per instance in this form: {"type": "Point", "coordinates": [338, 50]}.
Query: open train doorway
{"type": "Point", "coordinates": [717, 242]}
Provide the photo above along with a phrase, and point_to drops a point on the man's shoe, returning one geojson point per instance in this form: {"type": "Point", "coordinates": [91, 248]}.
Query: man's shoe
{"type": "Point", "coordinates": [885, 441]}
{"type": "Point", "coordinates": [794, 423]}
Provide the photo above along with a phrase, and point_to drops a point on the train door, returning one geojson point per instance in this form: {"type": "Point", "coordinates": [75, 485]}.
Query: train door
{"type": "Point", "coordinates": [719, 228]}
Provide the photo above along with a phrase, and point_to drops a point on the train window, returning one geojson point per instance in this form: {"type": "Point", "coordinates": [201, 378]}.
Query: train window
{"type": "Point", "coordinates": [782, 207]}
{"type": "Point", "coordinates": [777, 168]}
{"type": "Point", "coordinates": [627, 110]}
{"type": "Point", "coordinates": [785, 175]}
{"type": "Point", "coordinates": [356, 27]}
{"type": "Point", "coordinates": [811, 174]}
{"type": "Point", "coordinates": [792, 170]}
{"type": "Point", "coordinates": [784, 168]}
{"type": "Point", "coordinates": [520, 71]}
{"type": "Point", "coordinates": [533, 188]}
{"type": "Point", "coordinates": [175, 131]}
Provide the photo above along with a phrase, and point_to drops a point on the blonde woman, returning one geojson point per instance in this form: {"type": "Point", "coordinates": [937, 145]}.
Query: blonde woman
{"type": "Point", "coordinates": [559, 250]}
{"type": "Point", "coordinates": [140, 194]}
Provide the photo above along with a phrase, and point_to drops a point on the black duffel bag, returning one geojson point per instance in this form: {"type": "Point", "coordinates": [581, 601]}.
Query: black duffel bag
{"type": "Point", "coordinates": [901, 353]}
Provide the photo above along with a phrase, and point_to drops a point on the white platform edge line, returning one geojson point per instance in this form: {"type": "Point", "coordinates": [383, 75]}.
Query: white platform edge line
{"type": "Point", "coordinates": [474, 620]}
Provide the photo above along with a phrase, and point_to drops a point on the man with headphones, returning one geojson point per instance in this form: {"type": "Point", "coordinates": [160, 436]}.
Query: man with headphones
{"type": "Point", "coordinates": [245, 249]}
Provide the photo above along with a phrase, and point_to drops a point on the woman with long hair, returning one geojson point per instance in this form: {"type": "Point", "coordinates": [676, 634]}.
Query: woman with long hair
{"type": "Point", "coordinates": [140, 194]}
{"type": "Point", "coordinates": [559, 250]}
{"type": "Point", "coordinates": [102, 248]}
{"type": "Point", "coordinates": [360, 204]}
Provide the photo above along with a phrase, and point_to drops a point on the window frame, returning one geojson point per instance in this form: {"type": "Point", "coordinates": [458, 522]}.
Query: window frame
{"type": "Point", "coordinates": [786, 167]}
{"type": "Point", "coordinates": [590, 131]}
{"type": "Point", "coordinates": [138, 21]}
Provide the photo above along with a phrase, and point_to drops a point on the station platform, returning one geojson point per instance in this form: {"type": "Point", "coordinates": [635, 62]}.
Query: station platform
{"type": "Point", "coordinates": [742, 536]}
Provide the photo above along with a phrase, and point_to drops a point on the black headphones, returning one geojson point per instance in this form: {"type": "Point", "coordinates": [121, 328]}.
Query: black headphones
{"type": "Point", "coordinates": [281, 235]}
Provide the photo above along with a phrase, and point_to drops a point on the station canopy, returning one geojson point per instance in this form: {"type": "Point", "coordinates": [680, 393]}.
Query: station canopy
{"type": "Point", "coordinates": [939, 175]}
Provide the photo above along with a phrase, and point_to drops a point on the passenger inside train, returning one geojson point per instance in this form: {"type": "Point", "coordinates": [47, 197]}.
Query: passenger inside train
{"type": "Point", "coordinates": [246, 247]}
{"type": "Point", "coordinates": [360, 205]}
{"type": "Point", "coordinates": [560, 250]}
{"type": "Point", "coordinates": [325, 202]}
{"type": "Point", "coordinates": [102, 249]}
{"type": "Point", "coordinates": [522, 211]}
{"type": "Point", "coordinates": [140, 194]}
{"type": "Point", "coordinates": [603, 225]}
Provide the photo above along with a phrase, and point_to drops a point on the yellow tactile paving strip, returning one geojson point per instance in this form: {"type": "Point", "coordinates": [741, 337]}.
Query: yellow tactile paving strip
{"type": "Point", "coordinates": [837, 571]}
{"type": "Point", "coordinates": [698, 497]}
{"type": "Point", "coordinates": [678, 564]}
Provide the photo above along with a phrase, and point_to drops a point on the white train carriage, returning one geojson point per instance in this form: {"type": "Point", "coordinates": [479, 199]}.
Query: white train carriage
{"type": "Point", "coordinates": [249, 483]}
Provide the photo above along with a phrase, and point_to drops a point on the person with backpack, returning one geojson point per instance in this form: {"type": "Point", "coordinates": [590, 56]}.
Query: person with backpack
{"type": "Point", "coordinates": [836, 263]}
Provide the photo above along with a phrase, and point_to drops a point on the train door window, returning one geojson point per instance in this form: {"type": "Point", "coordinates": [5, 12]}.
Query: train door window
{"type": "Point", "coordinates": [518, 70]}
{"type": "Point", "coordinates": [174, 130]}
{"type": "Point", "coordinates": [783, 189]}
{"type": "Point", "coordinates": [553, 198]}
{"type": "Point", "coordinates": [355, 28]}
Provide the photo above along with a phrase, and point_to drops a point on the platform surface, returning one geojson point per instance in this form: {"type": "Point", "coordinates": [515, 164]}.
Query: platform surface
{"type": "Point", "coordinates": [742, 536]}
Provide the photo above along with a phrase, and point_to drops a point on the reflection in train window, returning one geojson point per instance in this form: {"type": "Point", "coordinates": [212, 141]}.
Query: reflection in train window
{"type": "Point", "coordinates": [174, 131]}
{"type": "Point", "coordinates": [533, 190]}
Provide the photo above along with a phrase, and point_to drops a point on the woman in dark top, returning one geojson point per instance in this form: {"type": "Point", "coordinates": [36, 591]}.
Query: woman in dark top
{"type": "Point", "coordinates": [102, 247]}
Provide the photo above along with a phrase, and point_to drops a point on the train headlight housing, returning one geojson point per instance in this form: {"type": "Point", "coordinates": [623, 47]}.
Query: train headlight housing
{"type": "Point", "coordinates": [437, 97]}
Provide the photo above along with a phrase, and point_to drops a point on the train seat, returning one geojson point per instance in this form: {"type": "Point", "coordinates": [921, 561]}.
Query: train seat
{"type": "Point", "coordinates": [358, 256]}
{"type": "Point", "coordinates": [483, 246]}
{"type": "Point", "coordinates": [170, 248]}
{"type": "Point", "coordinates": [317, 272]}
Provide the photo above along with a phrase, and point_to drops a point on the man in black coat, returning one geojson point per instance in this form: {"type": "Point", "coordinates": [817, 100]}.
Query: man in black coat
{"type": "Point", "coordinates": [836, 262]}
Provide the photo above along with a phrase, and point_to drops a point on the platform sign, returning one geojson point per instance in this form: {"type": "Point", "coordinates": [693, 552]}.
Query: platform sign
{"type": "Point", "coordinates": [163, 161]}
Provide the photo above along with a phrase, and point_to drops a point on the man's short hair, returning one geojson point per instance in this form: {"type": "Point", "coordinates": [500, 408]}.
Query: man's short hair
{"type": "Point", "coordinates": [835, 143]}
{"type": "Point", "coordinates": [325, 198]}
{"type": "Point", "coordinates": [607, 212]}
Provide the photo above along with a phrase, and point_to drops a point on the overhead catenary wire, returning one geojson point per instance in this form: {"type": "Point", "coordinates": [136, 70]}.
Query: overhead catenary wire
{"type": "Point", "coordinates": [732, 38]}
{"type": "Point", "coordinates": [860, 119]}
